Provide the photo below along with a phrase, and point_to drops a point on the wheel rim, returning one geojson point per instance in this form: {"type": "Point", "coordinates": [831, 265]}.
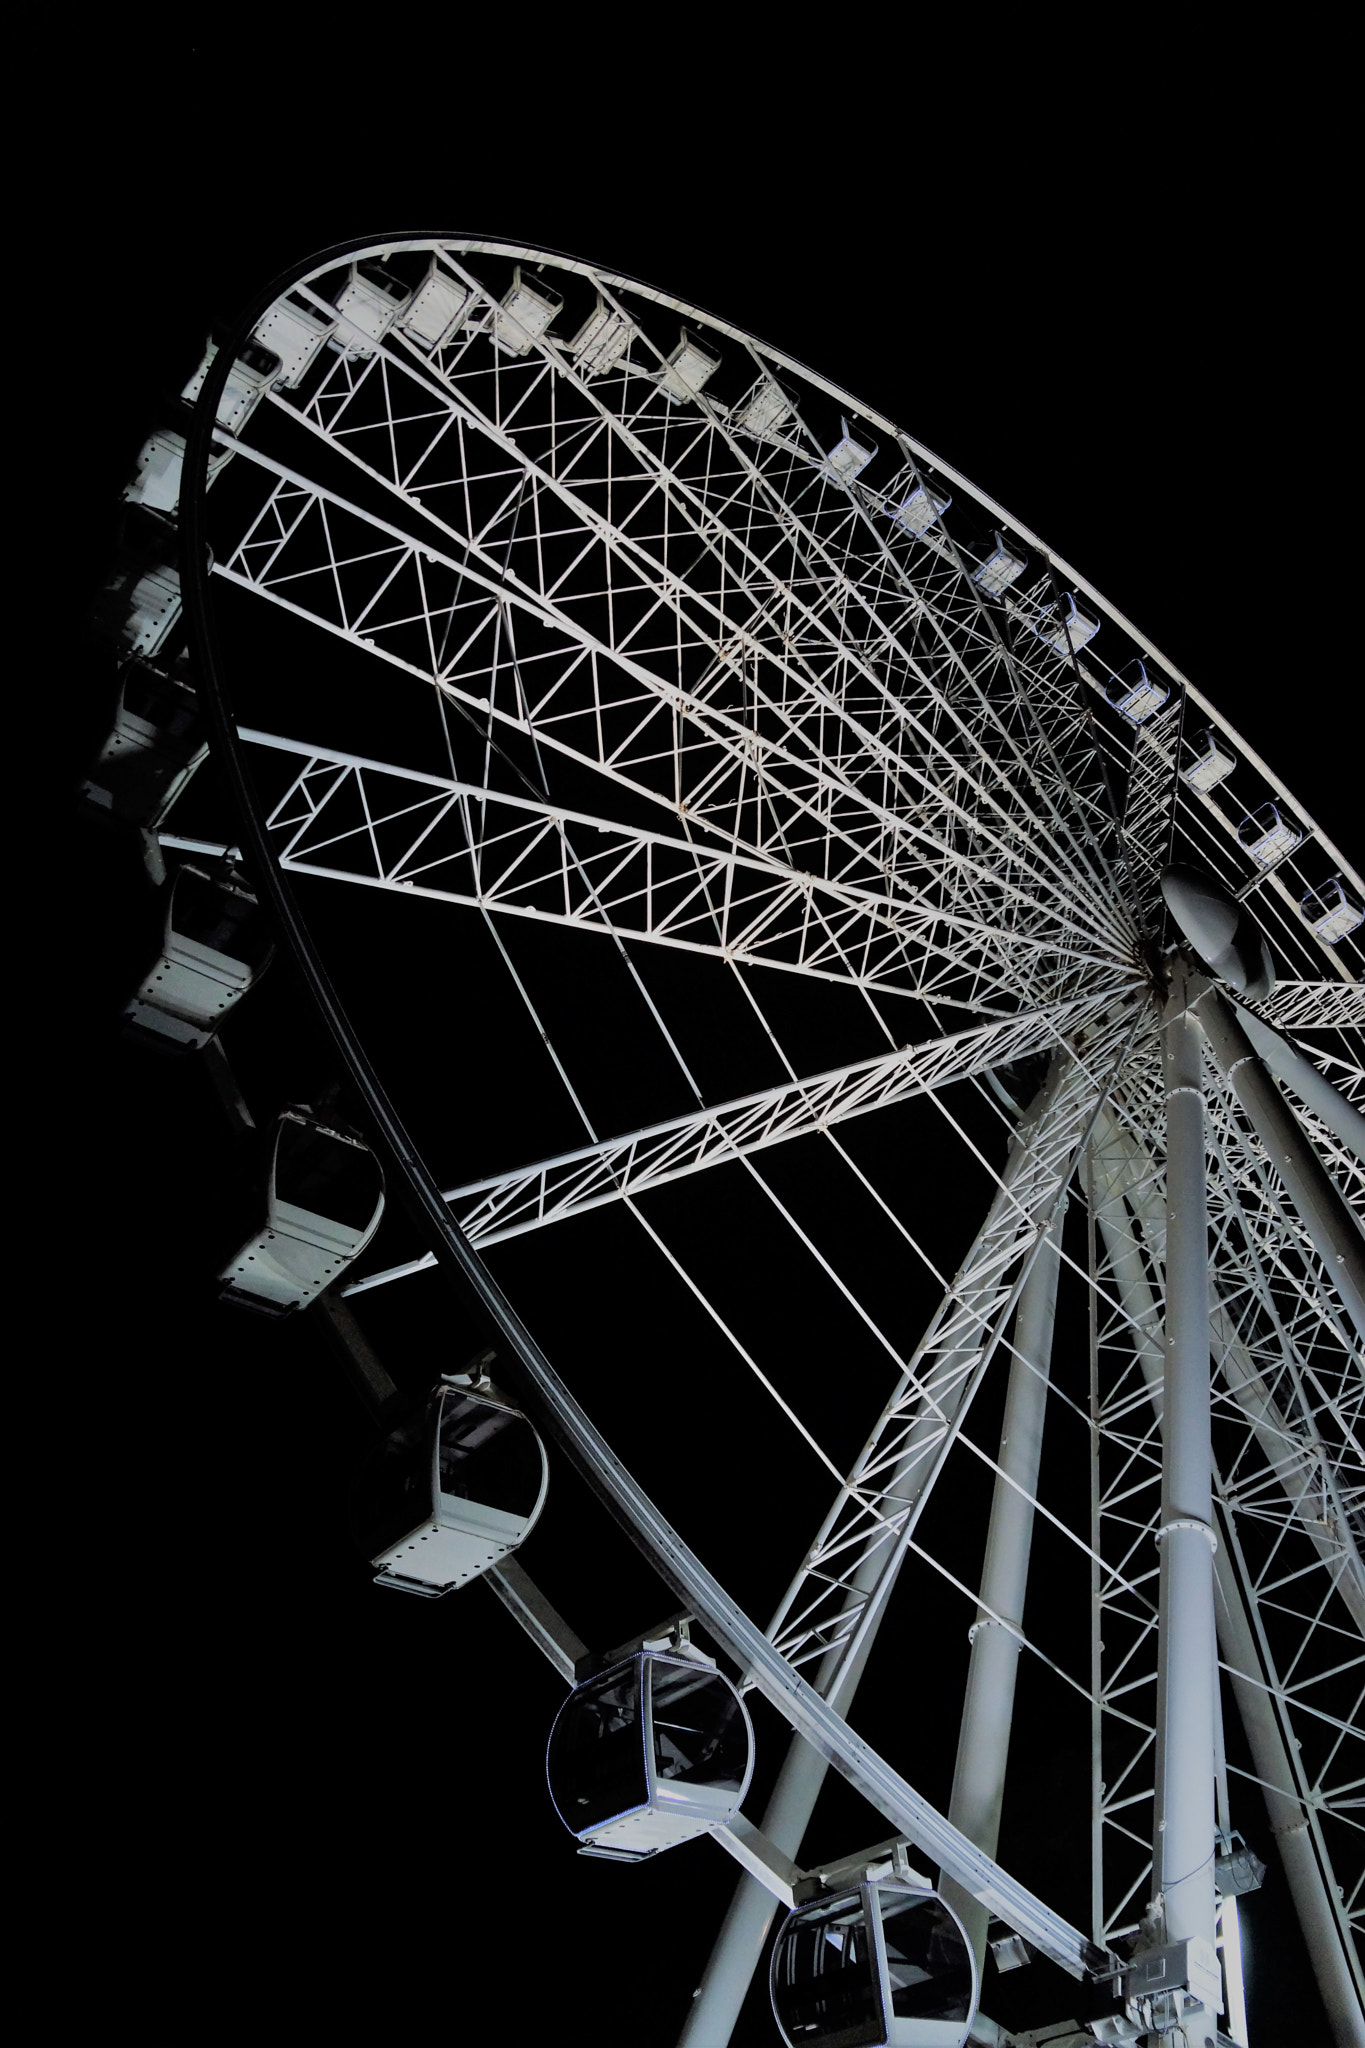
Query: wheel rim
{"type": "Point", "coordinates": [1084, 891]}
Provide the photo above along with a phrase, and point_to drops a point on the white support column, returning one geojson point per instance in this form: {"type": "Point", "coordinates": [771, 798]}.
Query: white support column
{"type": "Point", "coordinates": [1109, 1163]}
{"type": "Point", "coordinates": [1183, 1845]}
{"type": "Point", "coordinates": [1230, 1933]}
{"type": "Point", "coordinates": [1229, 1926]}
{"type": "Point", "coordinates": [731, 1964]}
{"type": "Point", "coordinates": [1338, 1973]}
{"type": "Point", "coordinates": [1097, 1844]}
{"type": "Point", "coordinates": [984, 1740]}
{"type": "Point", "coordinates": [1299, 1075]}
{"type": "Point", "coordinates": [739, 1944]}
{"type": "Point", "coordinates": [1328, 1939]}
{"type": "Point", "coordinates": [1324, 1214]}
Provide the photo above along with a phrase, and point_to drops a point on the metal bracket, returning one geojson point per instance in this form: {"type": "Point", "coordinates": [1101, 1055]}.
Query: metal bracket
{"type": "Point", "coordinates": [776, 1872]}
{"type": "Point", "coordinates": [224, 1082]}
{"type": "Point", "coordinates": [361, 1362]}
{"type": "Point", "coordinates": [672, 1635]}
{"type": "Point", "coordinates": [761, 1858]}
{"type": "Point", "coordinates": [884, 1859]}
{"type": "Point", "coordinates": [542, 1622]}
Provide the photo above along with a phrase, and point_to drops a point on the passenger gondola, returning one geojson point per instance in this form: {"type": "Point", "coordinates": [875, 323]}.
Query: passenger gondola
{"type": "Point", "coordinates": [883, 1965]}
{"type": "Point", "coordinates": [140, 602]}
{"type": "Point", "coordinates": [1135, 694]}
{"type": "Point", "coordinates": [1000, 569]}
{"type": "Point", "coordinates": [448, 1495]}
{"type": "Point", "coordinates": [154, 746]}
{"type": "Point", "coordinates": [1267, 836]}
{"type": "Point", "coordinates": [653, 1751]}
{"type": "Point", "coordinates": [155, 483]}
{"type": "Point", "coordinates": [1208, 761]}
{"type": "Point", "coordinates": [1066, 629]}
{"type": "Point", "coordinates": [1330, 912]}
{"type": "Point", "coordinates": [214, 945]}
{"type": "Point", "coordinates": [253, 371]}
{"type": "Point", "coordinates": [324, 1199]}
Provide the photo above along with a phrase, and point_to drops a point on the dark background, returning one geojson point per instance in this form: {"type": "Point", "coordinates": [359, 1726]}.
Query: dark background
{"type": "Point", "coordinates": [315, 1804]}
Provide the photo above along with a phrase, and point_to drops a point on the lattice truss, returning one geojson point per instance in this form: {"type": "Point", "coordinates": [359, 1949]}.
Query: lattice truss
{"type": "Point", "coordinates": [527, 1198]}
{"type": "Point", "coordinates": [1290, 1479]}
{"type": "Point", "coordinates": [859, 776]}
{"type": "Point", "coordinates": [699, 607]}
{"type": "Point", "coordinates": [699, 687]}
{"type": "Point", "coordinates": [850, 1567]}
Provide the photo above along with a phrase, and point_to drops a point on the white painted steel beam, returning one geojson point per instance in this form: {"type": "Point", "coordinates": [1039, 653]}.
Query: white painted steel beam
{"type": "Point", "coordinates": [527, 857]}
{"type": "Point", "coordinates": [1120, 1655]}
{"type": "Point", "coordinates": [747, 571]}
{"type": "Point", "coordinates": [618, 1169]}
{"type": "Point", "coordinates": [1292, 1455]}
{"type": "Point", "coordinates": [1183, 1845]}
{"type": "Point", "coordinates": [613, 283]}
{"type": "Point", "coordinates": [778, 743]}
{"type": "Point", "coordinates": [1265, 1708]}
{"type": "Point", "coordinates": [1334, 1231]}
{"type": "Point", "coordinates": [1336, 1965]}
{"type": "Point", "coordinates": [1315, 1005]}
{"type": "Point", "coordinates": [1302, 1078]}
{"type": "Point", "coordinates": [766, 655]}
{"type": "Point", "coordinates": [818, 1612]}
{"type": "Point", "coordinates": [988, 1709]}
{"type": "Point", "coordinates": [1011, 939]}
{"type": "Point", "coordinates": [859, 1549]}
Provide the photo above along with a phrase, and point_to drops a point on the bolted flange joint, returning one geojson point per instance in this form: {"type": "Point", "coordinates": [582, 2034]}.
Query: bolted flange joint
{"type": "Point", "coordinates": [1189, 1522]}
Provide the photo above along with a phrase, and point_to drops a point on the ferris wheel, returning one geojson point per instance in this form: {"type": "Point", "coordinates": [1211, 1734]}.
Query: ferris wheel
{"type": "Point", "coordinates": [839, 855]}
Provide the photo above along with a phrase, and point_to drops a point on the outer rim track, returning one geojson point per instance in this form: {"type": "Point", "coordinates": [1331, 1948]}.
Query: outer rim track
{"type": "Point", "coordinates": [548, 1400]}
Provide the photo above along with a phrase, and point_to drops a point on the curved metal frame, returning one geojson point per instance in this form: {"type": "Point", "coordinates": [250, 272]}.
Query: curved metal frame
{"type": "Point", "coordinates": [1156, 760]}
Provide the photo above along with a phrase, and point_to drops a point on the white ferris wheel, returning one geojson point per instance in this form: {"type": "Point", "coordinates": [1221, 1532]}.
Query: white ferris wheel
{"type": "Point", "coordinates": [836, 848]}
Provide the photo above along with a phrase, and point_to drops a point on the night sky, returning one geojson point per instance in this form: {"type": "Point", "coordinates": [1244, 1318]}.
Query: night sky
{"type": "Point", "coordinates": [337, 1795]}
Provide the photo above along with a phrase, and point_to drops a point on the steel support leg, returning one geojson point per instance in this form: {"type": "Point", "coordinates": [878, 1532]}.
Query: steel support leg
{"type": "Point", "coordinates": [1113, 1168]}
{"type": "Point", "coordinates": [1123, 1170]}
{"type": "Point", "coordinates": [1322, 1211]}
{"type": "Point", "coordinates": [1183, 1845]}
{"type": "Point", "coordinates": [1328, 1940]}
{"type": "Point", "coordinates": [1329, 1944]}
{"type": "Point", "coordinates": [1289, 1065]}
{"type": "Point", "coordinates": [983, 1744]}
{"type": "Point", "coordinates": [739, 1944]}
{"type": "Point", "coordinates": [730, 1966]}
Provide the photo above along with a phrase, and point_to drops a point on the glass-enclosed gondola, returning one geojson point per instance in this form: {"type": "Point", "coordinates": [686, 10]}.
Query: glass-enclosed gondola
{"type": "Point", "coordinates": [1330, 912]}
{"type": "Point", "coordinates": [155, 483]}
{"type": "Point", "coordinates": [878, 1966]}
{"type": "Point", "coordinates": [254, 370]}
{"type": "Point", "coordinates": [153, 747]}
{"type": "Point", "coordinates": [1267, 836]}
{"type": "Point", "coordinates": [648, 1754]}
{"type": "Point", "coordinates": [324, 1198]}
{"type": "Point", "coordinates": [140, 603]}
{"type": "Point", "coordinates": [214, 945]}
{"type": "Point", "coordinates": [1065, 627]}
{"type": "Point", "coordinates": [447, 1495]}
{"type": "Point", "coordinates": [1137, 695]}
{"type": "Point", "coordinates": [1208, 761]}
